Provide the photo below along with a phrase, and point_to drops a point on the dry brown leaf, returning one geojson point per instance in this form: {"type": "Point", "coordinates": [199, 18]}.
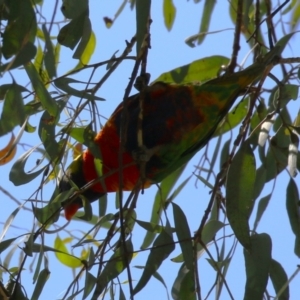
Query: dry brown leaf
{"type": "Point", "coordinates": [8, 152]}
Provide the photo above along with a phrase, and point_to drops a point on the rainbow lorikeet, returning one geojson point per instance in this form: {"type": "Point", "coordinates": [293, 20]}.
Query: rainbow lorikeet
{"type": "Point", "coordinates": [178, 120]}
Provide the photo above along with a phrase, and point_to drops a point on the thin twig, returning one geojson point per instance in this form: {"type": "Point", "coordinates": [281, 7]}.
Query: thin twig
{"type": "Point", "coordinates": [237, 33]}
{"type": "Point", "coordinates": [271, 16]}
{"type": "Point", "coordinates": [127, 50]}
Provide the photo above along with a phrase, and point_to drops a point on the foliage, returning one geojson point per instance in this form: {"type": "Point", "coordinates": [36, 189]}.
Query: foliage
{"type": "Point", "coordinates": [265, 146]}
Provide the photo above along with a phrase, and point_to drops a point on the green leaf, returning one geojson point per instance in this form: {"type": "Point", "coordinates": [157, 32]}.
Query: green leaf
{"type": "Point", "coordinates": [41, 257]}
{"type": "Point", "coordinates": [205, 19]}
{"type": "Point", "coordinates": [206, 183]}
{"type": "Point", "coordinates": [284, 94]}
{"type": "Point", "coordinates": [218, 265]}
{"type": "Point", "coordinates": [177, 190]}
{"type": "Point", "coordinates": [247, 27]}
{"type": "Point", "coordinates": [142, 8]}
{"type": "Point", "coordinates": [115, 266]}
{"type": "Point", "coordinates": [49, 58]}
{"type": "Point", "coordinates": [184, 237]}
{"type": "Point", "coordinates": [43, 277]}
{"type": "Point", "coordinates": [289, 7]}
{"type": "Point", "coordinates": [21, 27]}
{"type": "Point", "coordinates": [225, 153]}
{"type": "Point", "coordinates": [214, 157]}
{"type": "Point", "coordinates": [49, 213]}
{"type": "Point", "coordinates": [83, 135]}
{"type": "Point", "coordinates": [64, 256]}
{"type": "Point", "coordinates": [26, 54]}
{"type": "Point", "coordinates": [223, 264]}
{"type": "Point", "coordinates": [232, 119]}
{"type": "Point", "coordinates": [12, 285]}
{"type": "Point", "coordinates": [184, 285]}
{"type": "Point", "coordinates": [163, 246]}
{"type": "Point", "coordinates": [209, 231]}
{"type": "Point", "coordinates": [86, 37]}
{"type": "Point", "coordinates": [17, 174]}
{"type": "Point", "coordinates": [275, 162]}
{"type": "Point", "coordinates": [122, 295]}
{"type": "Point", "coordinates": [155, 228]}
{"type": "Point", "coordinates": [47, 135]}
{"type": "Point", "coordinates": [239, 192]}
{"type": "Point", "coordinates": [63, 84]}
{"type": "Point", "coordinates": [169, 13]}
{"type": "Point", "coordinates": [262, 206]}
{"type": "Point", "coordinates": [6, 243]}
{"type": "Point", "coordinates": [279, 278]}
{"type": "Point", "coordinates": [278, 124]}
{"type": "Point", "coordinates": [13, 112]}
{"type": "Point", "coordinates": [292, 207]}
{"type": "Point", "coordinates": [70, 34]}
{"type": "Point", "coordinates": [87, 53]}
{"type": "Point", "coordinates": [37, 2]}
{"type": "Point", "coordinates": [9, 221]}
{"type": "Point", "coordinates": [47, 128]}
{"type": "Point", "coordinates": [157, 276]}
{"type": "Point", "coordinates": [4, 88]}
{"type": "Point", "coordinates": [72, 9]}
{"type": "Point", "coordinates": [160, 198]}
{"type": "Point", "coordinates": [33, 107]}
{"type": "Point", "coordinates": [48, 103]}
{"type": "Point", "coordinates": [257, 263]}
{"type": "Point", "coordinates": [281, 44]}
{"type": "Point", "coordinates": [260, 181]}
{"type": "Point", "coordinates": [199, 70]}
{"type": "Point", "coordinates": [90, 281]}
{"type": "Point", "coordinates": [295, 18]}
{"type": "Point", "coordinates": [103, 222]}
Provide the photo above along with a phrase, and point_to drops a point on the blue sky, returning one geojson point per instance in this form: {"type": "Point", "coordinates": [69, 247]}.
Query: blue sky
{"type": "Point", "coordinates": [168, 51]}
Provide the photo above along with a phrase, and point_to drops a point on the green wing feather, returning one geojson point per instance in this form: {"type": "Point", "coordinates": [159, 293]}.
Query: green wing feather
{"type": "Point", "coordinates": [178, 120]}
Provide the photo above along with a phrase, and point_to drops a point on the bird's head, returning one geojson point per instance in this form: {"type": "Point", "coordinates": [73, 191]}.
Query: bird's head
{"type": "Point", "coordinates": [74, 176]}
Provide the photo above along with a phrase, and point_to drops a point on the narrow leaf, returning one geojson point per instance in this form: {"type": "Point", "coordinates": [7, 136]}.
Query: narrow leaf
{"type": "Point", "coordinates": [21, 26]}
{"type": "Point", "coordinates": [257, 262]}
{"type": "Point", "coordinates": [48, 103]}
{"type": "Point", "coordinates": [86, 36]}
{"type": "Point", "coordinates": [184, 285]}
{"type": "Point", "coordinates": [63, 84]}
{"type": "Point", "coordinates": [64, 256]}
{"type": "Point", "coordinates": [73, 9]}
{"type": "Point", "coordinates": [90, 281]}
{"type": "Point", "coordinates": [161, 196]}
{"type": "Point", "coordinates": [239, 192]}
{"type": "Point", "coordinates": [6, 243]}
{"type": "Point", "coordinates": [115, 266]}
{"type": "Point", "coordinates": [169, 13]}
{"type": "Point", "coordinates": [43, 277]}
{"type": "Point", "coordinates": [143, 8]}
{"type": "Point", "coordinates": [232, 119]}
{"type": "Point", "coordinates": [260, 181]}
{"type": "Point", "coordinates": [163, 246]}
{"type": "Point", "coordinates": [206, 17]}
{"type": "Point", "coordinates": [88, 52]}
{"type": "Point", "coordinates": [17, 174]}
{"type": "Point", "coordinates": [262, 206]}
{"type": "Point", "coordinates": [184, 237]}
{"type": "Point", "coordinates": [279, 279]}
{"type": "Point", "coordinates": [292, 207]}
{"type": "Point", "coordinates": [13, 112]}
{"type": "Point", "coordinates": [49, 58]}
